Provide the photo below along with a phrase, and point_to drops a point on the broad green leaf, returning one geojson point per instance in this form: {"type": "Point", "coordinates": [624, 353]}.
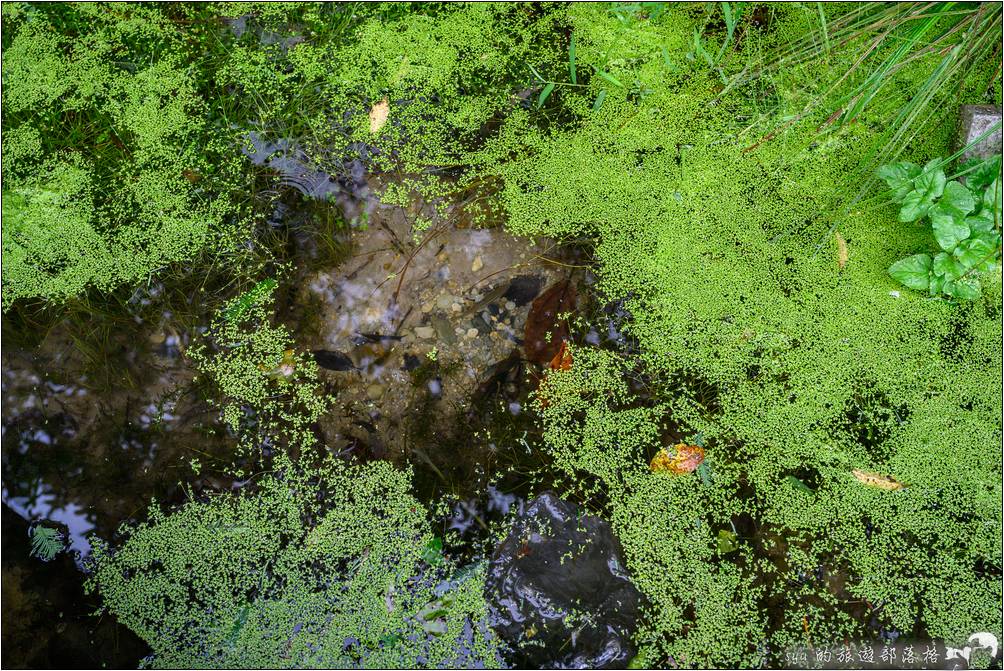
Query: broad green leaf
{"type": "Point", "coordinates": [987, 170]}
{"type": "Point", "coordinates": [927, 187]}
{"type": "Point", "coordinates": [949, 231]}
{"type": "Point", "coordinates": [957, 197]}
{"type": "Point", "coordinates": [913, 271]}
{"type": "Point", "coordinates": [798, 484]}
{"type": "Point", "coordinates": [981, 221]}
{"type": "Point", "coordinates": [991, 237]}
{"type": "Point", "coordinates": [639, 661]}
{"type": "Point", "coordinates": [944, 264]}
{"type": "Point", "coordinates": [432, 553]}
{"type": "Point", "coordinates": [965, 288]}
{"type": "Point", "coordinates": [937, 284]}
{"type": "Point", "coordinates": [899, 177]}
{"type": "Point", "coordinates": [727, 542]}
{"type": "Point", "coordinates": [973, 253]}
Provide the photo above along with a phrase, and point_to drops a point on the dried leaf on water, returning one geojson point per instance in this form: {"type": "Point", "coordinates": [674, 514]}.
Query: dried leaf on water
{"type": "Point", "coordinates": [877, 480]}
{"type": "Point", "coordinates": [679, 459]}
{"type": "Point", "coordinates": [545, 332]}
{"type": "Point", "coordinates": [563, 359]}
{"type": "Point", "coordinates": [378, 115]}
{"type": "Point", "coordinates": [842, 254]}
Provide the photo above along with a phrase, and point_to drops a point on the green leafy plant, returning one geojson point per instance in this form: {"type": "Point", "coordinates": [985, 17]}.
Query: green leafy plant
{"type": "Point", "coordinates": [46, 542]}
{"type": "Point", "coordinates": [965, 220]}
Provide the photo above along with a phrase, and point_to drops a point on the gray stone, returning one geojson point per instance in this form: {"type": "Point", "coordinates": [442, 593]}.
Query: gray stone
{"type": "Point", "coordinates": [974, 121]}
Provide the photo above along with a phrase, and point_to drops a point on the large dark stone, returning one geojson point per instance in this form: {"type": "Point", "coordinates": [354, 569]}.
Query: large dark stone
{"type": "Point", "coordinates": [558, 590]}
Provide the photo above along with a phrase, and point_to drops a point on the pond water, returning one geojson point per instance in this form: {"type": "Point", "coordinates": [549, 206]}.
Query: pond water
{"type": "Point", "coordinates": [417, 318]}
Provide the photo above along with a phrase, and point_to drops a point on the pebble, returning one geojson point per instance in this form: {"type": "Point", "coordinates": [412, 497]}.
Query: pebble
{"type": "Point", "coordinates": [459, 330]}
{"type": "Point", "coordinates": [456, 307]}
{"type": "Point", "coordinates": [425, 332]}
{"type": "Point", "coordinates": [427, 308]}
{"type": "Point", "coordinates": [445, 301]}
{"type": "Point", "coordinates": [478, 264]}
{"type": "Point", "coordinates": [157, 338]}
{"type": "Point", "coordinates": [443, 328]}
{"type": "Point", "coordinates": [472, 333]}
{"type": "Point", "coordinates": [374, 391]}
{"type": "Point", "coordinates": [510, 306]}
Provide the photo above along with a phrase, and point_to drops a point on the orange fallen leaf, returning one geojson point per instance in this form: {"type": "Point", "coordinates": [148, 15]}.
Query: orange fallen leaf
{"type": "Point", "coordinates": [563, 359]}
{"type": "Point", "coordinates": [378, 115]}
{"type": "Point", "coordinates": [678, 460]}
{"type": "Point", "coordinates": [876, 480]}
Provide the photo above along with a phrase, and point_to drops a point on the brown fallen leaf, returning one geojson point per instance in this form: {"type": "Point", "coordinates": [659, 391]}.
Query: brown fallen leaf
{"type": "Point", "coordinates": [872, 479]}
{"type": "Point", "coordinates": [544, 332]}
{"type": "Point", "coordinates": [378, 115]}
{"type": "Point", "coordinates": [563, 359]}
{"type": "Point", "coordinates": [842, 254]}
{"type": "Point", "coordinates": [679, 459]}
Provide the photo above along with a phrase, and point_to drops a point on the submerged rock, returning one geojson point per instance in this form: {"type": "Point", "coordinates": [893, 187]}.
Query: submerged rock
{"type": "Point", "coordinates": [559, 592]}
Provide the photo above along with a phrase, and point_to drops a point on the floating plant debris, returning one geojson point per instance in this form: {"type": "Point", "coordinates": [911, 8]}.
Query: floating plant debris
{"type": "Point", "coordinates": [679, 459]}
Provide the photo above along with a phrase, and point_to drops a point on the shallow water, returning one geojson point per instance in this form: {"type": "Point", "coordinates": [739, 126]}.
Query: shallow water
{"type": "Point", "coordinates": [419, 332]}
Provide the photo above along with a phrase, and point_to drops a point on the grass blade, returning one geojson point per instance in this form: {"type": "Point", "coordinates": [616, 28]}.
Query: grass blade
{"type": "Point", "coordinates": [571, 59]}
{"type": "Point", "coordinates": [599, 100]}
{"type": "Point", "coordinates": [609, 77]}
{"type": "Point", "coordinates": [537, 74]}
{"type": "Point", "coordinates": [545, 94]}
{"type": "Point", "coordinates": [822, 25]}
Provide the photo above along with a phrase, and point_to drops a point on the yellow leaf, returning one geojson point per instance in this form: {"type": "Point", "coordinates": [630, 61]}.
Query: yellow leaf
{"type": "Point", "coordinates": [842, 254]}
{"type": "Point", "coordinates": [678, 460]}
{"type": "Point", "coordinates": [876, 480]}
{"type": "Point", "coordinates": [378, 115]}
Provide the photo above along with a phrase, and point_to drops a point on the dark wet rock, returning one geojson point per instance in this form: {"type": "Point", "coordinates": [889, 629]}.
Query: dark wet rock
{"type": "Point", "coordinates": [411, 362]}
{"type": "Point", "coordinates": [374, 339]}
{"type": "Point", "coordinates": [524, 289]}
{"type": "Point", "coordinates": [333, 360]}
{"type": "Point", "coordinates": [481, 324]}
{"type": "Point", "coordinates": [558, 590]}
